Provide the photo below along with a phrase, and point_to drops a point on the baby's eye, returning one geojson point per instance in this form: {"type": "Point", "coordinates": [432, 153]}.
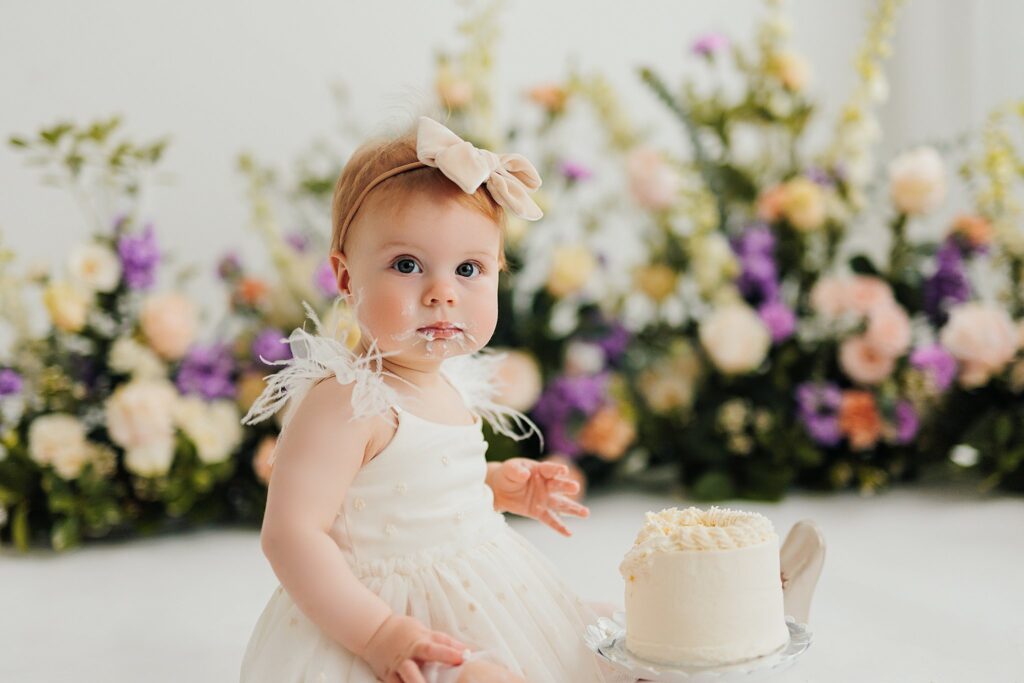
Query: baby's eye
{"type": "Point", "coordinates": [468, 269]}
{"type": "Point", "coordinates": [405, 265]}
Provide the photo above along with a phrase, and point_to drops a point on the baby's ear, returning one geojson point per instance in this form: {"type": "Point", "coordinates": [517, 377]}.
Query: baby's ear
{"type": "Point", "coordinates": [341, 274]}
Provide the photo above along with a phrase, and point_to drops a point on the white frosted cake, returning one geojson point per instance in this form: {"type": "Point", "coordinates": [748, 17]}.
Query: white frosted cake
{"type": "Point", "coordinates": [703, 588]}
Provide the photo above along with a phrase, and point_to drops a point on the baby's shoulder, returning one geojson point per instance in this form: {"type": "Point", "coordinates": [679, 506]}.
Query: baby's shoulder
{"type": "Point", "coordinates": [333, 403]}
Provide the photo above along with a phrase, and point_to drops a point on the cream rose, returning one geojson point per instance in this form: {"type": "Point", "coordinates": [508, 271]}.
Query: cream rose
{"type": "Point", "coordinates": [735, 338]}
{"type": "Point", "coordinates": [803, 204]}
{"type": "Point", "coordinates": [59, 440]}
{"type": "Point", "coordinates": [571, 267]}
{"type": "Point", "coordinates": [95, 267]}
{"type": "Point", "coordinates": [152, 459]}
{"type": "Point", "coordinates": [863, 363]}
{"type": "Point", "coordinates": [583, 358]}
{"type": "Point", "coordinates": [129, 357]}
{"type": "Point", "coordinates": [917, 180]}
{"type": "Point", "coordinates": [67, 306]}
{"type": "Point", "coordinates": [213, 428]}
{"type": "Point", "coordinates": [652, 181]}
{"type": "Point", "coordinates": [141, 413]}
{"type": "Point", "coordinates": [169, 323]}
{"type": "Point", "coordinates": [982, 338]}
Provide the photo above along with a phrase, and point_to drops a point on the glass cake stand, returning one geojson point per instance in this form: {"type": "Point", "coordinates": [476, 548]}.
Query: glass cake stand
{"type": "Point", "coordinates": [608, 639]}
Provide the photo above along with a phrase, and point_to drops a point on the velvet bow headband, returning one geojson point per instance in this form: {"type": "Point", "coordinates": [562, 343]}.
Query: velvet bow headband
{"type": "Point", "coordinates": [509, 178]}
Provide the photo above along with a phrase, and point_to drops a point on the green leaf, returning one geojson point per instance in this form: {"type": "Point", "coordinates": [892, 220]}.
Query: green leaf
{"type": "Point", "coordinates": [15, 141]}
{"type": "Point", "coordinates": [862, 265]}
{"type": "Point", "coordinates": [19, 527]}
{"type": "Point", "coordinates": [713, 485]}
{"type": "Point", "coordinates": [65, 534]}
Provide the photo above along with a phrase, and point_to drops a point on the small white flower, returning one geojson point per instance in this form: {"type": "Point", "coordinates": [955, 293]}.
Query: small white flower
{"type": "Point", "coordinates": [58, 440]}
{"type": "Point", "coordinates": [132, 358]}
{"type": "Point", "coordinates": [213, 428]}
{"type": "Point", "coordinates": [583, 358]}
{"type": "Point", "coordinates": [964, 455]}
{"type": "Point", "coordinates": [95, 267]}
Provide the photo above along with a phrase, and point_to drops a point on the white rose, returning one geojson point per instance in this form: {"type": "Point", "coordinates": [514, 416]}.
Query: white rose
{"type": "Point", "coordinates": [59, 440]}
{"type": "Point", "coordinates": [95, 267]}
{"type": "Point", "coordinates": [582, 358]}
{"type": "Point", "coordinates": [140, 413]}
{"type": "Point", "coordinates": [917, 180]}
{"type": "Point", "coordinates": [213, 427]}
{"type": "Point", "coordinates": [735, 339]}
{"type": "Point", "coordinates": [132, 358]}
{"type": "Point", "coordinates": [152, 459]}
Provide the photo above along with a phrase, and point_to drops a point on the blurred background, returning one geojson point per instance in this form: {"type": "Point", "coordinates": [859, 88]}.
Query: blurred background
{"type": "Point", "coordinates": [781, 268]}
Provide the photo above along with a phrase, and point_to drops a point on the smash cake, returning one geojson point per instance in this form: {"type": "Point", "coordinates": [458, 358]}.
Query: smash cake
{"type": "Point", "coordinates": [703, 588]}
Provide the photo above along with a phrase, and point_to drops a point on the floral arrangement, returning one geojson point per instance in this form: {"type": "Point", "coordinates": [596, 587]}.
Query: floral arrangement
{"type": "Point", "coordinates": [114, 420]}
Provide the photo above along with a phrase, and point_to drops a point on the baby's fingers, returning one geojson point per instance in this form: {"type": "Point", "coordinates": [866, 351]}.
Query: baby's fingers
{"type": "Point", "coordinates": [408, 672]}
{"type": "Point", "coordinates": [429, 651]}
{"type": "Point", "coordinates": [569, 507]}
{"type": "Point", "coordinates": [561, 485]}
{"type": "Point", "coordinates": [552, 520]}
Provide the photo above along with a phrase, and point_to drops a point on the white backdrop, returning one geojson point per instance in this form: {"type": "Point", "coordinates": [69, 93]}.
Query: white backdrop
{"type": "Point", "coordinates": [229, 76]}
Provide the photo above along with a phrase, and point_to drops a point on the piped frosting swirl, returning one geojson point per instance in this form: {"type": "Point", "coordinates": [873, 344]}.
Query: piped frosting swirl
{"type": "Point", "coordinates": [693, 529]}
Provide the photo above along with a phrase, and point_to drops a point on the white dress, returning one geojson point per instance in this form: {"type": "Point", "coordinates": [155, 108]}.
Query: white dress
{"type": "Point", "coordinates": [419, 529]}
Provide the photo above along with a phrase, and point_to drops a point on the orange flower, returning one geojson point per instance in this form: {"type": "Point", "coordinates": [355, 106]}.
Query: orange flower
{"type": "Point", "coordinates": [251, 291]}
{"type": "Point", "coordinates": [975, 229]}
{"type": "Point", "coordinates": [769, 204]}
{"type": "Point", "coordinates": [550, 96]}
{"type": "Point", "coordinates": [607, 433]}
{"type": "Point", "coordinates": [859, 419]}
{"type": "Point", "coordinates": [263, 460]}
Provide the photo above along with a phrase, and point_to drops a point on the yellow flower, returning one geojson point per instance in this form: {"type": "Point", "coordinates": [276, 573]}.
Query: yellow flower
{"type": "Point", "coordinates": [803, 204]}
{"type": "Point", "coordinates": [570, 269]}
{"type": "Point", "coordinates": [67, 306]}
{"type": "Point", "coordinates": [791, 69]}
{"type": "Point", "coordinates": [657, 280]}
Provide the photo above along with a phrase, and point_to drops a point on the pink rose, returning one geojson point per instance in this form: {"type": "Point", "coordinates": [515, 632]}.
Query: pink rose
{"type": "Point", "coordinates": [518, 380]}
{"type": "Point", "coordinates": [863, 362]}
{"type": "Point", "coordinates": [169, 323]}
{"type": "Point", "coordinates": [982, 338]}
{"type": "Point", "coordinates": [828, 297]}
{"type": "Point", "coordinates": [865, 292]}
{"type": "Point", "coordinates": [653, 182]}
{"type": "Point", "coordinates": [889, 330]}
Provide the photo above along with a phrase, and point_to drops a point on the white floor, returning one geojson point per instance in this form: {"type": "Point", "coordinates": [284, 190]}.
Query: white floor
{"type": "Point", "coordinates": [920, 585]}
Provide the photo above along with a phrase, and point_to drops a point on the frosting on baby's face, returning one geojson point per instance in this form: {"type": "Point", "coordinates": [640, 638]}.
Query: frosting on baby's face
{"type": "Point", "coordinates": [423, 279]}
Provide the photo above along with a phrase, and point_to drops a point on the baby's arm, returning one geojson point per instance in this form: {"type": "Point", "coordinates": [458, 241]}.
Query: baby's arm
{"type": "Point", "coordinates": [318, 456]}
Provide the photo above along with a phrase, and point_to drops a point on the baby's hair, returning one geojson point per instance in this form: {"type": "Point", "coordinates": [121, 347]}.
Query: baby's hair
{"type": "Point", "coordinates": [379, 156]}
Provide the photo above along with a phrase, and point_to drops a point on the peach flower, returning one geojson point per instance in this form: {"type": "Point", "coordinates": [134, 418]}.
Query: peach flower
{"type": "Point", "coordinates": [889, 330]}
{"type": "Point", "coordinates": [735, 338]}
{"type": "Point", "coordinates": [607, 434]}
{"type": "Point", "coordinates": [654, 183]}
{"type": "Point", "coordinates": [803, 204]}
{"type": "Point", "coordinates": [827, 297]}
{"type": "Point", "coordinates": [865, 292]}
{"type": "Point", "coordinates": [769, 203]}
{"type": "Point", "coordinates": [859, 419]}
{"type": "Point", "coordinates": [917, 180]}
{"type": "Point", "coordinates": [791, 69]}
{"type": "Point", "coordinates": [975, 229]}
{"type": "Point", "coordinates": [169, 324]}
{"type": "Point", "coordinates": [863, 362]}
{"type": "Point", "coordinates": [982, 338]}
{"type": "Point", "coordinates": [518, 380]}
{"type": "Point", "coordinates": [263, 460]}
{"type": "Point", "coordinates": [68, 307]}
{"type": "Point", "coordinates": [551, 96]}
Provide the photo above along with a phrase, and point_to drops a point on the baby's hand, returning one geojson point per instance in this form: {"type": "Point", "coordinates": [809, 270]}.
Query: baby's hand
{"type": "Point", "coordinates": [398, 648]}
{"type": "Point", "coordinates": [533, 489]}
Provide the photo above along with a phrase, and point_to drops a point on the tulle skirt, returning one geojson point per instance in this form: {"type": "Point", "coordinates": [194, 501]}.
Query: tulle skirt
{"type": "Point", "coordinates": [500, 597]}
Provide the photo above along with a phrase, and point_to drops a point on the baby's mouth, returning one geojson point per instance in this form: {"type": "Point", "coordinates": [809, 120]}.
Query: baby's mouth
{"type": "Point", "coordinates": [440, 331]}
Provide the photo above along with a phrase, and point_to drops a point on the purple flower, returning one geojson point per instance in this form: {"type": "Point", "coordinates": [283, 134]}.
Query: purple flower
{"type": "Point", "coordinates": [819, 411]}
{"type": "Point", "coordinates": [615, 342]}
{"type": "Point", "coordinates": [937, 362]}
{"type": "Point", "coordinates": [759, 277]}
{"type": "Point", "coordinates": [576, 171]}
{"type": "Point", "coordinates": [297, 241]}
{"type": "Point", "coordinates": [907, 422]}
{"type": "Point", "coordinates": [139, 258]}
{"type": "Point", "coordinates": [206, 371]}
{"type": "Point", "coordinates": [269, 345]}
{"type": "Point", "coordinates": [324, 280]}
{"type": "Point", "coordinates": [779, 318]}
{"type": "Point", "coordinates": [948, 286]}
{"type": "Point", "coordinates": [757, 239]}
{"type": "Point", "coordinates": [709, 44]}
{"type": "Point", "coordinates": [229, 267]}
{"type": "Point", "coordinates": [819, 176]}
{"type": "Point", "coordinates": [566, 403]}
{"type": "Point", "coordinates": [10, 382]}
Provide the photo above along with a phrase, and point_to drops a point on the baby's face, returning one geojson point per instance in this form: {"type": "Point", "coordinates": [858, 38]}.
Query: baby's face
{"type": "Point", "coordinates": [423, 279]}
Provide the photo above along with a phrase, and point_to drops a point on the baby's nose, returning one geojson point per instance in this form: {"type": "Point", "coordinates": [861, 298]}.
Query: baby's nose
{"type": "Point", "coordinates": [440, 291]}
